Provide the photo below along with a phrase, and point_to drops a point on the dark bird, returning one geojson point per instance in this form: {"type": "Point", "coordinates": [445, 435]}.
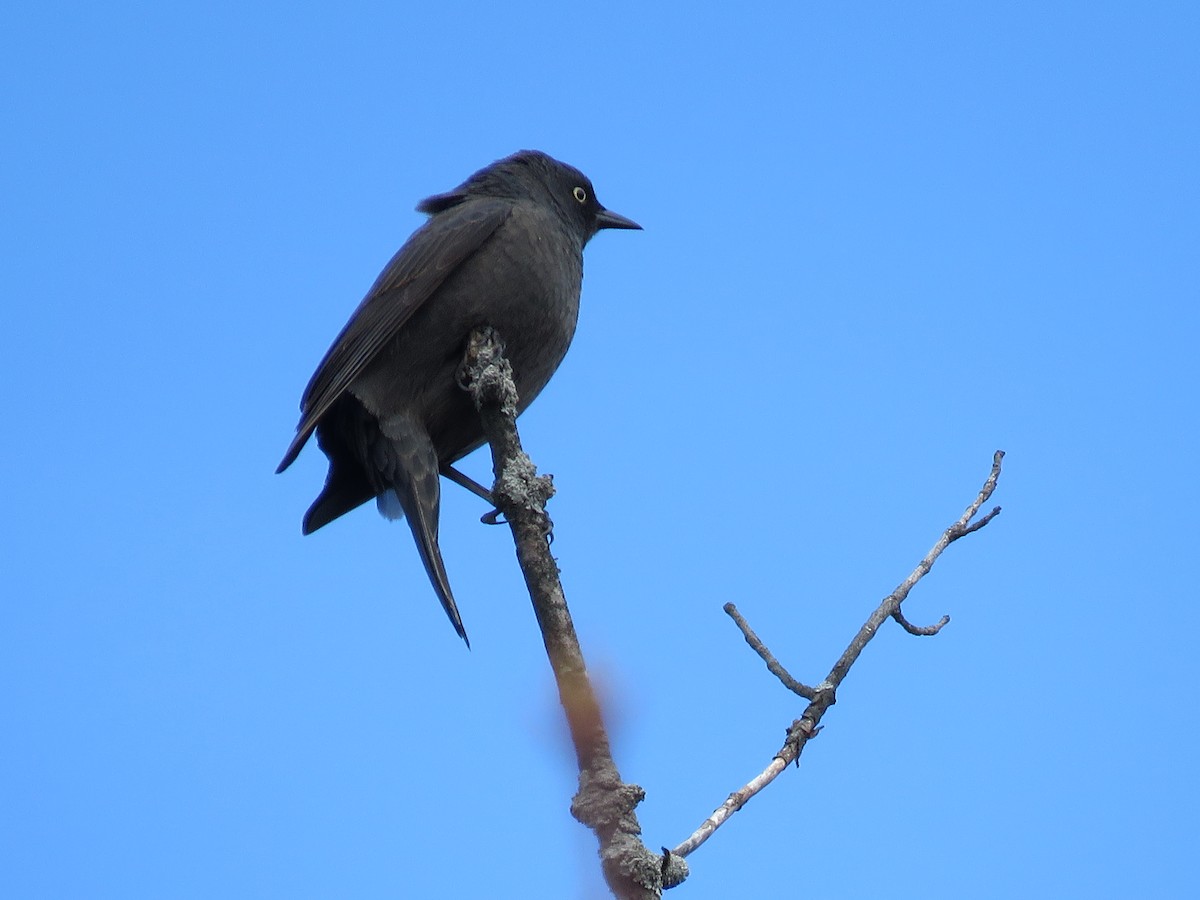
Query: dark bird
{"type": "Point", "coordinates": [505, 249]}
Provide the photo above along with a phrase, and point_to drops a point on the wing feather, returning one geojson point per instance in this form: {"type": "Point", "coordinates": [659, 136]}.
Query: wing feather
{"type": "Point", "coordinates": [411, 278]}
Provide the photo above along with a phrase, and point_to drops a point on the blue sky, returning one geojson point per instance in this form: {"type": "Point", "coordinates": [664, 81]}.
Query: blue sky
{"type": "Point", "coordinates": [881, 241]}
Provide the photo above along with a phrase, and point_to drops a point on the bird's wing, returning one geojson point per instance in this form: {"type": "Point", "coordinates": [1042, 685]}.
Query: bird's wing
{"type": "Point", "coordinates": [411, 278]}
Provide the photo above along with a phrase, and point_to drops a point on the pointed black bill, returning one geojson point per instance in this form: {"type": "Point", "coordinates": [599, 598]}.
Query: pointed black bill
{"type": "Point", "coordinates": [606, 218]}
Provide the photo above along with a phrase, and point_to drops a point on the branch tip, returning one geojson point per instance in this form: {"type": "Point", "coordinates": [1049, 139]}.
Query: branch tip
{"type": "Point", "coordinates": [773, 665]}
{"type": "Point", "coordinates": [920, 630]}
{"type": "Point", "coordinates": [975, 526]}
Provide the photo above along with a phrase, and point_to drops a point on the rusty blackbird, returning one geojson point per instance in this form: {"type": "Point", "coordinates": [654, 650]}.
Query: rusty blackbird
{"type": "Point", "coordinates": [505, 249]}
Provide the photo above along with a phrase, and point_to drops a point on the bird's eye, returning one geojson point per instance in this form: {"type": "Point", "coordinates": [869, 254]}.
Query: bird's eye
{"type": "Point", "coordinates": [580, 194]}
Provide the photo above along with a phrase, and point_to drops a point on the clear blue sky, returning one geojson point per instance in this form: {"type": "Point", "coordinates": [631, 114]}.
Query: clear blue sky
{"type": "Point", "coordinates": [881, 241]}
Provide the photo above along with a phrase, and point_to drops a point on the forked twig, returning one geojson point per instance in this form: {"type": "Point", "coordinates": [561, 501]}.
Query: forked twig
{"type": "Point", "coordinates": [805, 728]}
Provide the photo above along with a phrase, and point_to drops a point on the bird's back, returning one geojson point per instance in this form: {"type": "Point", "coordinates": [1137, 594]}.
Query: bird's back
{"type": "Point", "coordinates": [524, 281]}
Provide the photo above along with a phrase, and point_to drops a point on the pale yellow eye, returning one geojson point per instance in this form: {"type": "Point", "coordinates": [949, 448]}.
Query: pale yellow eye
{"type": "Point", "coordinates": [580, 194]}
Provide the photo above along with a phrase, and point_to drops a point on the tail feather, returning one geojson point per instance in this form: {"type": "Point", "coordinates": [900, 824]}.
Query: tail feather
{"type": "Point", "coordinates": [338, 498]}
{"type": "Point", "coordinates": [425, 532]}
{"type": "Point", "coordinates": [341, 435]}
{"type": "Point", "coordinates": [406, 459]}
{"type": "Point", "coordinates": [393, 460]}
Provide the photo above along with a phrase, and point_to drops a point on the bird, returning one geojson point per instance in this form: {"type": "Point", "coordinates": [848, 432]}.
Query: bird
{"type": "Point", "coordinates": [503, 249]}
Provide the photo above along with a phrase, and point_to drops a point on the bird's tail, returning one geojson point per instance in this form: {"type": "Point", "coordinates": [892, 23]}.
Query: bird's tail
{"type": "Point", "coordinates": [417, 489]}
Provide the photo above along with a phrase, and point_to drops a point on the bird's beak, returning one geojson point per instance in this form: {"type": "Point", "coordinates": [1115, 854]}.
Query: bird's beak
{"type": "Point", "coordinates": [606, 218]}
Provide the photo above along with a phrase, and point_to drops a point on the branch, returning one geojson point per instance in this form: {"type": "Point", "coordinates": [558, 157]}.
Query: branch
{"type": "Point", "coordinates": [920, 630]}
{"type": "Point", "coordinates": [603, 802]}
{"type": "Point", "coordinates": [773, 665]}
{"type": "Point", "coordinates": [805, 728]}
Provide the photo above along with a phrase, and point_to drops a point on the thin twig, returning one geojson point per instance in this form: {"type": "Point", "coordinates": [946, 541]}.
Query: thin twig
{"type": "Point", "coordinates": [773, 665]}
{"type": "Point", "coordinates": [736, 801]}
{"type": "Point", "coordinates": [807, 727]}
{"type": "Point", "coordinates": [977, 525]}
{"type": "Point", "coordinates": [893, 600]}
{"type": "Point", "coordinates": [920, 630]}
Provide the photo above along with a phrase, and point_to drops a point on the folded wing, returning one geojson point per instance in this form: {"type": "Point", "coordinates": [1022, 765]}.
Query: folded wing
{"type": "Point", "coordinates": [411, 278]}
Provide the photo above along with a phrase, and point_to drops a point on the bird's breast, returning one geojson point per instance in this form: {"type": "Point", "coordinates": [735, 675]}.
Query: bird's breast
{"type": "Point", "coordinates": [532, 272]}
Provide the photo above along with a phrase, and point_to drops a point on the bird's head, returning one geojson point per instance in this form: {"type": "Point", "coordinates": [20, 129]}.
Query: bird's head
{"type": "Point", "coordinates": [531, 174]}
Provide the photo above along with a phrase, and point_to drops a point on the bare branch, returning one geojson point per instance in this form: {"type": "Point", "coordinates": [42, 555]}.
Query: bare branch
{"type": "Point", "coordinates": [736, 801]}
{"type": "Point", "coordinates": [920, 630]}
{"type": "Point", "coordinates": [977, 525]}
{"type": "Point", "coordinates": [824, 696]}
{"type": "Point", "coordinates": [773, 665]}
{"type": "Point", "coordinates": [604, 803]}
{"type": "Point", "coordinates": [891, 603]}
{"type": "Point", "coordinates": [800, 733]}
